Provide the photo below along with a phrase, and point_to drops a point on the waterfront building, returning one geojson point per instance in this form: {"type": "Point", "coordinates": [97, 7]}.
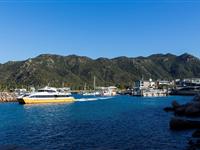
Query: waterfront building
{"type": "Point", "coordinates": [148, 88]}
{"type": "Point", "coordinates": [164, 82]}
{"type": "Point", "coordinates": [154, 92]}
{"type": "Point", "coordinates": [142, 84]}
{"type": "Point", "coordinates": [187, 86]}
{"type": "Point", "coordinates": [188, 82]}
{"type": "Point", "coordinates": [107, 91]}
{"type": "Point", "coordinates": [192, 81]}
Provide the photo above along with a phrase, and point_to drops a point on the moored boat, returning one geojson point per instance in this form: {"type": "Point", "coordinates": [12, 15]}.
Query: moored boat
{"type": "Point", "coordinates": [46, 95]}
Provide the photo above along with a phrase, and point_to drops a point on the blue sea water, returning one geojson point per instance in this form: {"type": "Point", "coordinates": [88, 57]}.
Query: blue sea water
{"type": "Point", "coordinates": [121, 122]}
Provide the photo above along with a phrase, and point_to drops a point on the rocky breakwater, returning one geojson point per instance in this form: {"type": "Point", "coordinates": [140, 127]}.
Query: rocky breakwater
{"type": "Point", "coordinates": [187, 117]}
{"type": "Point", "coordinates": [8, 97]}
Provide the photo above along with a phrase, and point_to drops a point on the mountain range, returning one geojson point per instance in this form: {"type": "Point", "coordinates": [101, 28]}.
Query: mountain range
{"type": "Point", "coordinates": [76, 71]}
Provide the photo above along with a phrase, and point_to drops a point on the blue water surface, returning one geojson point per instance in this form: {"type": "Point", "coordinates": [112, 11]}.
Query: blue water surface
{"type": "Point", "coordinates": [121, 122]}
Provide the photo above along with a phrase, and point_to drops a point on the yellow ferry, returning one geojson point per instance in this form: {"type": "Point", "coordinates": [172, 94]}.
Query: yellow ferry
{"type": "Point", "coordinates": [46, 95]}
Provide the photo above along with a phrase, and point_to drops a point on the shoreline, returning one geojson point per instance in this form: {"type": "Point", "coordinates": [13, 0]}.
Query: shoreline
{"type": "Point", "coordinates": [185, 117]}
{"type": "Point", "coordinates": [7, 97]}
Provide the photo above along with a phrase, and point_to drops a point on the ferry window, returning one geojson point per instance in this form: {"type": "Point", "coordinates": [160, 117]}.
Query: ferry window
{"type": "Point", "coordinates": [51, 91]}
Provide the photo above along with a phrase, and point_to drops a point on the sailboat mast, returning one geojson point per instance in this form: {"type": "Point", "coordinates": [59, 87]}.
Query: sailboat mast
{"type": "Point", "coordinates": [85, 87]}
{"type": "Point", "coordinates": [94, 82]}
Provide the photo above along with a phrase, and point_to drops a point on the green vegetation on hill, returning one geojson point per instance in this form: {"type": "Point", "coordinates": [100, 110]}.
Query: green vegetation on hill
{"type": "Point", "coordinates": [75, 71]}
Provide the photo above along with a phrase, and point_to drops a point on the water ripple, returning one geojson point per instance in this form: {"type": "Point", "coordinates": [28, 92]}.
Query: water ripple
{"type": "Point", "coordinates": [116, 123]}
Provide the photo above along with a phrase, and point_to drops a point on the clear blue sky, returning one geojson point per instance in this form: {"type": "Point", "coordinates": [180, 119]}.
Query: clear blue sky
{"type": "Point", "coordinates": [98, 29]}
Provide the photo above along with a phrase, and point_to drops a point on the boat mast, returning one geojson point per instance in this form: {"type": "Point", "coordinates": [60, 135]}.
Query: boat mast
{"type": "Point", "coordinates": [94, 83]}
{"type": "Point", "coordinates": [85, 87]}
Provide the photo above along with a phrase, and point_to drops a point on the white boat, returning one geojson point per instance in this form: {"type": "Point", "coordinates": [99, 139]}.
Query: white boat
{"type": "Point", "coordinates": [46, 95]}
{"type": "Point", "coordinates": [91, 93]}
{"type": "Point", "coordinates": [108, 91]}
{"type": "Point", "coordinates": [96, 93]}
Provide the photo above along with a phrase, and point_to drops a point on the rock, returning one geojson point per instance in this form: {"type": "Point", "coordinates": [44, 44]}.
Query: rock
{"type": "Point", "coordinates": [182, 124]}
{"type": "Point", "coordinates": [7, 97]}
{"type": "Point", "coordinates": [196, 103]}
{"type": "Point", "coordinates": [168, 109]}
{"type": "Point", "coordinates": [197, 98]}
{"type": "Point", "coordinates": [175, 104]}
{"type": "Point", "coordinates": [192, 110]}
{"type": "Point", "coordinates": [180, 111]}
{"type": "Point", "coordinates": [196, 133]}
{"type": "Point", "coordinates": [194, 144]}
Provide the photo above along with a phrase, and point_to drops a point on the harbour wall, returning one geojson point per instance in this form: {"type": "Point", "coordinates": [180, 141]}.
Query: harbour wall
{"type": "Point", "coordinates": [8, 97]}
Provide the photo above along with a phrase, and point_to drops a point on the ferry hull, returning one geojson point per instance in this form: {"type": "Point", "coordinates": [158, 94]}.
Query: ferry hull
{"type": "Point", "coordinates": [27, 100]}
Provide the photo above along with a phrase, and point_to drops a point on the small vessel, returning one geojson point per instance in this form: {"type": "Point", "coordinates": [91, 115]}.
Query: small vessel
{"type": "Point", "coordinates": [108, 91]}
{"type": "Point", "coordinates": [46, 95]}
{"type": "Point", "coordinates": [95, 93]}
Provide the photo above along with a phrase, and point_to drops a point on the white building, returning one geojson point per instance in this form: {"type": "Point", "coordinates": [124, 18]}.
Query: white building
{"type": "Point", "coordinates": [141, 84]}
{"type": "Point", "coordinates": [148, 89]}
{"type": "Point", "coordinates": [107, 91]}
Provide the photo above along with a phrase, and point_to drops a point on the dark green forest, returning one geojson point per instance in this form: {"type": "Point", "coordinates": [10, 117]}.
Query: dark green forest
{"type": "Point", "coordinates": [75, 71]}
